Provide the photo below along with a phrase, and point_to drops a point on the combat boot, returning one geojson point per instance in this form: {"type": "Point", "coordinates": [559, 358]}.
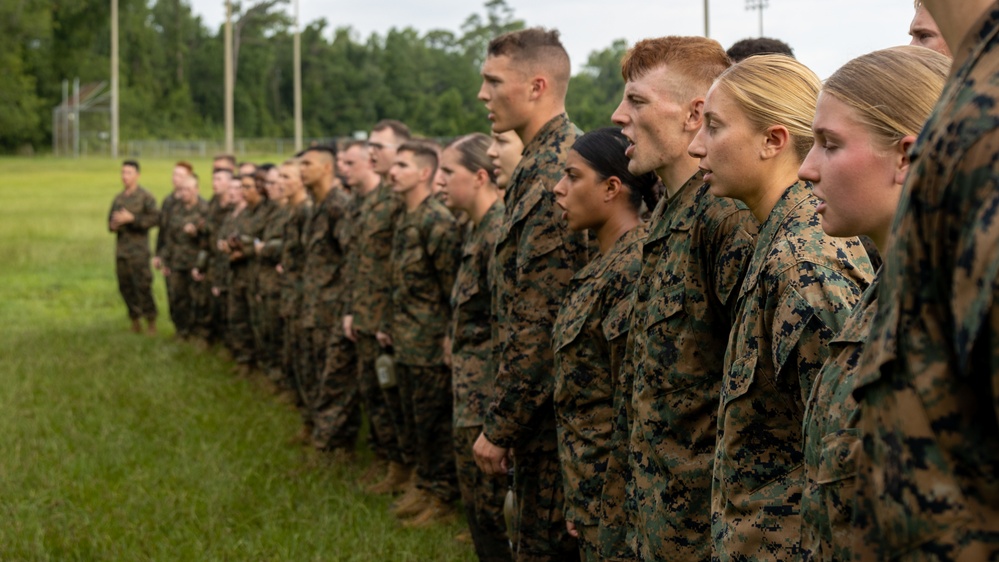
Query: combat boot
{"type": "Point", "coordinates": [151, 330]}
{"type": "Point", "coordinates": [394, 482]}
{"type": "Point", "coordinates": [376, 471]}
{"type": "Point", "coordinates": [436, 512]}
{"type": "Point", "coordinates": [411, 504]}
{"type": "Point", "coordinates": [136, 326]}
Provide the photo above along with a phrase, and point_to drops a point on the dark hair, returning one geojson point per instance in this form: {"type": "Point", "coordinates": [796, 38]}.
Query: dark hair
{"type": "Point", "coordinates": [472, 155]}
{"type": "Point", "coordinates": [604, 150]}
{"type": "Point", "coordinates": [323, 148]}
{"type": "Point", "coordinates": [746, 48]}
{"type": "Point", "coordinates": [260, 179]}
{"type": "Point", "coordinates": [399, 129]}
{"type": "Point", "coordinates": [132, 163]}
{"type": "Point", "coordinates": [223, 171]}
{"type": "Point", "coordinates": [425, 150]}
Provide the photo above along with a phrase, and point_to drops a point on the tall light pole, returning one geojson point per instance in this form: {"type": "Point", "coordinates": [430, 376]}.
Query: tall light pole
{"type": "Point", "coordinates": [114, 78]}
{"type": "Point", "coordinates": [707, 26]}
{"type": "Point", "coordinates": [228, 78]}
{"type": "Point", "coordinates": [298, 81]}
{"type": "Point", "coordinates": [758, 5]}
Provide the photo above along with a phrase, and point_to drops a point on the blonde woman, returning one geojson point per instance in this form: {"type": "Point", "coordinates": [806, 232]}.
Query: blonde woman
{"type": "Point", "coordinates": [800, 286]}
{"type": "Point", "coordinates": [505, 152]}
{"type": "Point", "coordinates": [866, 121]}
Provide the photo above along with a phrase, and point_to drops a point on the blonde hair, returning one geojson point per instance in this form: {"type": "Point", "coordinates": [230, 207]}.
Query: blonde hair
{"type": "Point", "coordinates": [891, 91]}
{"type": "Point", "coordinates": [775, 90]}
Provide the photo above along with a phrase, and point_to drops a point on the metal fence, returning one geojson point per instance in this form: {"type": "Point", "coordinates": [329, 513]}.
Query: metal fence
{"type": "Point", "coordinates": [209, 148]}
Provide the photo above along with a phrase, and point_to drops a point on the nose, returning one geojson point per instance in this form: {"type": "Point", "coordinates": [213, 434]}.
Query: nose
{"type": "Point", "coordinates": [619, 117]}
{"type": "Point", "coordinates": [483, 95]}
{"type": "Point", "coordinates": [696, 148]}
{"type": "Point", "coordinates": [561, 189]}
{"type": "Point", "coordinates": [809, 171]}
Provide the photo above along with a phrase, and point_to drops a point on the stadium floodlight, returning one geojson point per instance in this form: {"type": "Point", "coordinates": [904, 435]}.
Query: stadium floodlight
{"type": "Point", "coordinates": [758, 5]}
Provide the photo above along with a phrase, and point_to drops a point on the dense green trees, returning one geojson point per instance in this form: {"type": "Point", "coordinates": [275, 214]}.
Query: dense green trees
{"type": "Point", "coordinates": [171, 71]}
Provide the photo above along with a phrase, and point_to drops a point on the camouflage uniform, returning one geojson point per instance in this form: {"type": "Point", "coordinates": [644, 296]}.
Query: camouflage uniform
{"type": "Point", "coordinates": [798, 290]}
{"type": "Point", "coordinates": [245, 227]}
{"type": "Point", "coordinates": [264, 213]}
{"type": "Point", "coordinates": [928, 479]}
{"type": "Point", "coordinates": [425, 255]}
{"type": "Point", "coordinates": [292, 263]}
{"type": "Point", "coordinates": [213, 311]}
{"type": "Point", "coordinates": [589, 342]}
{"type": "Point", "coordinates": [694, 259]}
{"type": "Point", "coordinates": [832, 442]}
{"type": "Point", "coordinates": [162, 244]}
{"type": "Point", "coordinates": [270, 326]}
{"type": "Point", "coordinates": [536, 256]}
{"type": "Point", "coordinates": [135, 279]}
{"type": "Point", "coordinates": [180, 255]}
{"type": "Point", "coordinates": [330, 389]}
{"type": "Point", "coordinates": [471, 351]}
{"type": "Point", "coordinates": [369, 300]}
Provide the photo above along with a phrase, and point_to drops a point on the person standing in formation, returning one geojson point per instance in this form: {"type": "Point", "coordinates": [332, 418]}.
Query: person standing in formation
{"type": "Point", "coordinates": [184, 237]}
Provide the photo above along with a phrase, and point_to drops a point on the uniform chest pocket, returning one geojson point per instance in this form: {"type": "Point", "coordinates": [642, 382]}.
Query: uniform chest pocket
{"type": "Point", "coordinates": [537, 222]}
{"type": "Point", "coordinates": [617, 322]}
{"type": "Point", "coordinates": [737, 381]}
{"type": "Point", "coordinates": [838, 457]}
{"type": "Point", "coordinates": [666, 311]}
{"type": "Point", "coordinates": [569, 325]}
{"type": "Point", "coordinates": [465, 289]}
{"type": "Point", "coordinates": [380, 244]}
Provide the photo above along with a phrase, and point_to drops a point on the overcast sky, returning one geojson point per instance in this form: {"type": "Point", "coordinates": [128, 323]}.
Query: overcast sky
{"type": "Point", "coordinates": [823, 33]}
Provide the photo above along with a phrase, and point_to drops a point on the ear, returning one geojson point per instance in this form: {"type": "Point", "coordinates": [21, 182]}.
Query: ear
{"type": "Point", "coordinates": [481, 178]}
{"type": "Point", "coordinates": [776, 139]}
{"type": "Point", "coordinates": [539, 85]}
{"type": "Point", "coordinates": [426, 175]}
{"type": "Point", "coordinates": [902, 161]}
{"type": "Point", "coordinates": [612, 188]}
{"type": "Point", "coordinates": [695, 115]}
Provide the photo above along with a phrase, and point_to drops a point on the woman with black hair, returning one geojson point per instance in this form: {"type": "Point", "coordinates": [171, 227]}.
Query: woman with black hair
{"type": "Point", "coordinates": [599, 194]}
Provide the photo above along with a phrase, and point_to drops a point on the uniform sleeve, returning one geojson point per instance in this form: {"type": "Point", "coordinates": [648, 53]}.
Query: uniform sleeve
{"type": "Point", "coordinates": [444, 249]}
{"type": "Point", "coordinates": [548, 255]}
{"type": "Point", "coordinates": [149, 217]}
{"type": "Point", "coordinates": [811, 310]}
{"type": "Point", "coordinates": [114, 207]}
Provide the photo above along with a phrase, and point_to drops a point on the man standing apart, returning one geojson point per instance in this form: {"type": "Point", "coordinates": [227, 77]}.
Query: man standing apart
{"type": "Point", "coordinates": [693, 261]}
{"type": "Point", "coordinates": [132, 214]}
{"type": "Point", "coordinates": [369, 302]}
{"type": "Point", "coordinates": [928, 381]}
{"type": "Point", "coordinates": [524, 82]}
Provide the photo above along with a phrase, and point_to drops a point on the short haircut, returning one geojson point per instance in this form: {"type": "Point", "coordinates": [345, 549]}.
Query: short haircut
{"type": "Point", "coordinates": [538, 50]}
{"type": "Point", "coordinates": [132, 163]}
{"type": "Point", "coordinates": [227, 157]}
{"type": "Point", "coordinates": [696, 61]}
{"type": "Point", "coordinates": [223, 171]}
{"type": "Point", "coordinates": [186, 165]}
{"type": "Point", "coordinates": [353, 144]}
{"type": "Point", "coordinates": [425, 151]}
{"type": "Point", "coordinates": [746, 48]}
{"type": "Point", "coordinates": [326, 150]}
{"type": "Point", "coordinates": [398, 128]}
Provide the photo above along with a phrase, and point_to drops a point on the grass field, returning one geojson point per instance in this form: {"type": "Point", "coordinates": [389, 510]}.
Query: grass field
{"type": "Point", "coordinates": [115, 446]}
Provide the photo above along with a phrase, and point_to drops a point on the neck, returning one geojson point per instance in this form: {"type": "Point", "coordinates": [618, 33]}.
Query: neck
{"type": "Point", "coordinates": [539, 120]}
{"type": "Point", "coordinates": [297, 197]}
{"type": "Point", "coordinates": [482, 204]}
{"type": "Point", "coordinates": [677, 174]}
{"type": "Point", "coordinates": [321, 189]}
{"type": "Point", "coordinates": [955, 22]}
{"type": "Point", "coordinates": [773, 188]}
{"type": "Point", "coordinates": [414, 197]}
{"type": "Point", "coordinates": [369, 184]}
{"type": "Point", "coordinates": [614, 228]}
{"type": "Point", "coordinates": [131, 188]}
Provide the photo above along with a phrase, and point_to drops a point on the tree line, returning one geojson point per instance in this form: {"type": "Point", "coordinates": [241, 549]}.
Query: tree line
{"type": "Point", "coordinates": [171, 68]}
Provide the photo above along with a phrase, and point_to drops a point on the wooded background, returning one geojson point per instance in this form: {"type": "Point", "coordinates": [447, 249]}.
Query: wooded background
{"type": "Point", "coordinates": [171, 72]}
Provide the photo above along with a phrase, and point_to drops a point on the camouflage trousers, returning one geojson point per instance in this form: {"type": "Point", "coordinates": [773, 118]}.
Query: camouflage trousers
{"type": "Point", "coordinates": [135, 282]}
{"type": "Point", "coordinates": [239, 327]}
{"type": "Point", "coordinates": [541, 532]}
{"type": "Point", "coordinates": [426, 399]}
{"type": "Point", "coordinates": [293, 356]}
{"type": "Point", "coordinates": [381, 429]}
{"type": "Point", "coordinates": [270, 331]}
{"type": "Point", "coordinates": [336, 412]}
{"type": "Point", "coordinates": [483, 496]}
{"type": "Point", "coordinates": [217, 320]}
{"type": "Point", "coordinates": [181, 296]}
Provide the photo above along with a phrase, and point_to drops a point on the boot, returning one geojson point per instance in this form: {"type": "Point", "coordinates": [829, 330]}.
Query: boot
{"type": "Point", "coordinates": [376, 471]}
{"type": "Point", "coordinates": [151, 330]}
{"type": "Point", "coordinates": [394, 482]}
{"type": "Point", "coordinates": [436, 512]}
{"type": "Point", "coordinates": [136, 326]}
{"type": "Point", "coordinates": [411, 504]}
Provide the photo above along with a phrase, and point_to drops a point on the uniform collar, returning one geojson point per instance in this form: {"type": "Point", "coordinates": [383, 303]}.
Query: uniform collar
{"type": "Point", "coordinates": [792, 198]}
{"type": "Point", "coordinates": [973, 45]}
{"type": "Point", "coordinates": [599, 265]}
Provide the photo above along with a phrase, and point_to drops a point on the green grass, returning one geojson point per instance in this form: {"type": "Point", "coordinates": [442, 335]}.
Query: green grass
{"type": "Point", "coordinates": [115, 446]}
